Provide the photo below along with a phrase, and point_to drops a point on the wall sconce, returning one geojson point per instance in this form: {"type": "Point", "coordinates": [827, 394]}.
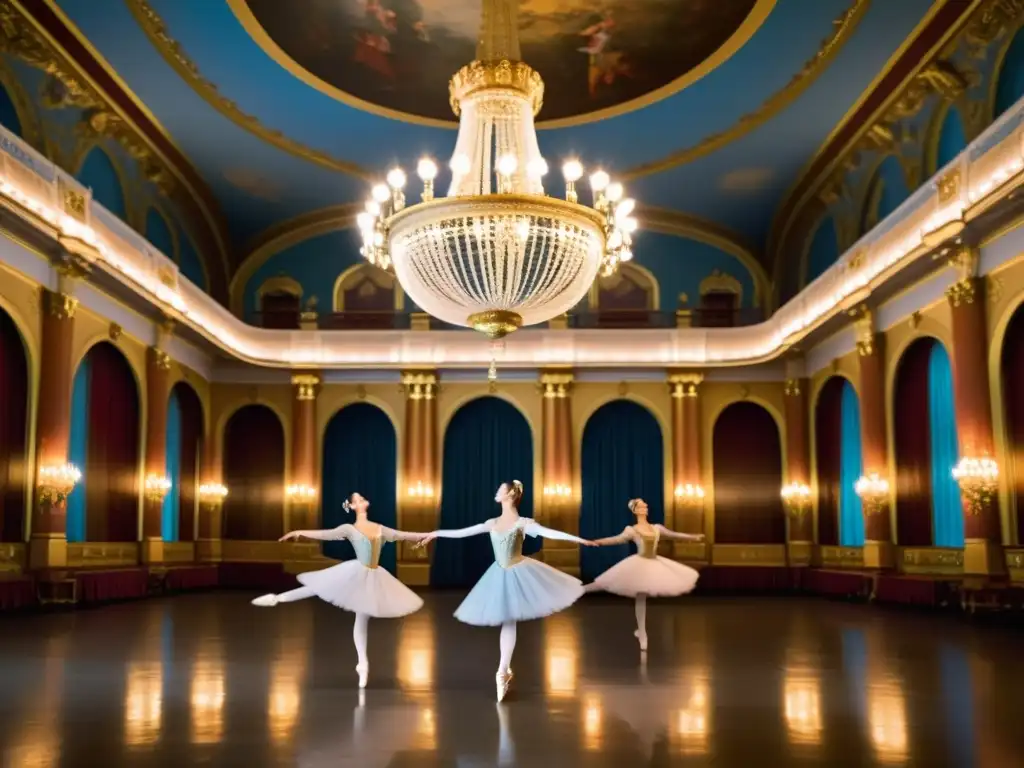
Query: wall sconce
{"type": "Point", "coordinates": [212, 494]}
{"type": "Point", "coordinates": [56, 481]}
{"type": "Point", "coordinates": [300, 493]}
{"type": "Point", "coordinates": [156, 487]}
{"type": "Point", "coordinates": [421, 491]}
{"type": "Point", "coordinates": [557, 491]}
{"type": "Point", "coordinates": [978, 479]}
{"type": "Point", "coordinates": [796, 497]}
{"type": "Point", "coordinates": [873, 491]}
{"type": "Point", "coordinates": [689, 494]}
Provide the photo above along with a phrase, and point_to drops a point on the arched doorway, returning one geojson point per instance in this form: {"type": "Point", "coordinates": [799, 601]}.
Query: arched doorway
{"type": "Point", "coordinates": [360, 453]}
{"type": "Point", "coordinates": [839, 460]}
{"type": "Point", "coordinates": [184, 437]}
{"type": "Point", "coordinates": [1013, 401]}
{"type": "Point", "coordinates": [747, 466]}
{"type": "Point", "coordinates": [622, 458]}
{"type": "Point", "coordinates": [254, 475]}
{"type": "Point", "coordinates": [105, 447]}
{"type": "Point", "coordinates": [928, 507]}
{"type": "Point", "coordinates": [487, 442]}
{"type": "Point", "coordinates": [13, 430]}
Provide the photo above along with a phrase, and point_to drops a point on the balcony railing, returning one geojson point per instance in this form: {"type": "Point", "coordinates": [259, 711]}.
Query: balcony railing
{"type": "Point", "coordinates": [332, 321]}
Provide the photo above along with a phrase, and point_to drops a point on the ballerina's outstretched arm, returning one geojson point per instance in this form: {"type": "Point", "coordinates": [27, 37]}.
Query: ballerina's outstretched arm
{"type": "Point", "coordinates": [392, 535]}
{"type": "Point", "coordinates": [623, 538]}
{"type": "Point", "coordinates": [534, 528]}
{"type": "Point", "coordinates": [680, 536]}
{"type": "Point", "coordinates": [455, 533]}
{"type": "Point", "coordinates": [330, 534]}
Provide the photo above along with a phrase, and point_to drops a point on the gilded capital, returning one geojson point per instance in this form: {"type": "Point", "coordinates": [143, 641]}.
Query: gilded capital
{"type": "Point", "coordinates": [305, 385]}
{"type": "Point", "coordinates": [61, 305]}
{"type": "Point", "coordinates": [682, 385]}
{"type": "Point", "coordinates": [962, 291]}
{"type": "Point", "coordinates": [160, 358]}
{"type": "Point", "coordinates": [792, 388]}
{"type": "Point", "coordinates": [864, 326]}
{"type": "Point", "coordinates": [556, 385]}
{"type": "Point", "coordinates": [419, 385]}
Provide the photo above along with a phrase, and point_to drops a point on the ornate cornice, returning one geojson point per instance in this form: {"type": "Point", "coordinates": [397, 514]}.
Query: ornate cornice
{"type": "Point", "coordinates": [37, 32]}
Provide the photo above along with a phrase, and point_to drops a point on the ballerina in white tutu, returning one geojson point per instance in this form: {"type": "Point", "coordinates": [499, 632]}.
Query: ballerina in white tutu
{"type": "Point", "coordinates": [515, 588]}
{"type": "Point", "coordinates": [356, 585]}
{"type": "Point", "coordinates": [645, 574]}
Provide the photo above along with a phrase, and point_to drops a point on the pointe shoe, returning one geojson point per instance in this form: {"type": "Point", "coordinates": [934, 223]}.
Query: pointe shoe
{"type": "Point", "coordinates": [642, 637]}
{"type": "Point", "coordinates": [363, 670]}
{"type": "Point", "coordinates": [265, 601]}
{"type": "Point", "coordinates": [501, 684]}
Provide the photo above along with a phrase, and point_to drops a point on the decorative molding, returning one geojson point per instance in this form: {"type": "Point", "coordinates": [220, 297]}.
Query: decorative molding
{"type": "Point", "coordinates": [841, 557]}
{"type": "Point", "coordinates": [682, 385]}
{"type": "Point", "coordinates": [305, 385]}
{"type": "Point", "coordinates": [749, 554]}
{"type": "Point", "coordinates": [115, 332]}
{"type": "Point", "coordinates": [932, 560]}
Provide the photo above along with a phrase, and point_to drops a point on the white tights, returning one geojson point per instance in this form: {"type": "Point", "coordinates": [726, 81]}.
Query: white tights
{"type": "Point", "coordinates": [359, 627]}
{"type": "Point", "coordinates": [641, 615]}
{"type": "Point", "coordinates": [507, 643]}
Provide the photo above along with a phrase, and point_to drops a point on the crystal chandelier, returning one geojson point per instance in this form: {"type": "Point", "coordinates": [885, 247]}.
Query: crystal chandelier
{"type": "Point", "coordinates": [497, 253]}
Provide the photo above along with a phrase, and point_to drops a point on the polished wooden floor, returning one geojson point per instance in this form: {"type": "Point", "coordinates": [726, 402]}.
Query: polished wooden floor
{"type": "Point", "coordinates": [210, 680]}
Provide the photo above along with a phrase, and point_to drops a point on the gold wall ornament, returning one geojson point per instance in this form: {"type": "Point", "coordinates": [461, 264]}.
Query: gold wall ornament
{"type": "Point", "coordinates": [949, 186]}
{"type": "Point", "coordinates": [864, 328]}
{"type": "Point", "coordinates": [623, 389]}
{"type": "Point", "coordinates": [160, 358]}
{"type": "Point", "coordinates": [115, 332]}
{"type": "Point", "coordinates": [305, 385]}
{"type": "Point", "coordinates": [961, 292]}
{"type": "Point", "coordinates": [419, 385]}
{"type": "Point", "coordinates": [915, 320]}
{"type": "Point", "coordinates": [61, 305]}
{"type": "Point", "coordinates": [993, 20]}
{"type": "Point", "coordinates": [792, 388]}
{"type": "Point", "coordinates": [684, 384]}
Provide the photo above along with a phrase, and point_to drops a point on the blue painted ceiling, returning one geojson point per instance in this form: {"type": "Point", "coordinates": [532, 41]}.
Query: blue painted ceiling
{"type": "Point", "coordinates": [272, 145]}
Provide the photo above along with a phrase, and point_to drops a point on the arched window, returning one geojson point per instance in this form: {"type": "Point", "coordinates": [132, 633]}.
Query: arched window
{"type": "Point", "coordinates": [99, 174]}
{"type": "Point", "coordinates": [721, 296]}
{"type": "Point", "coordinates": [280, 303]}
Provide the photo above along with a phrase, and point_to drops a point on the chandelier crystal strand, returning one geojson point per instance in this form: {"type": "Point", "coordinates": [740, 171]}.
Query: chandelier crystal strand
{"type": "Point", "coordinates": [497, 253]}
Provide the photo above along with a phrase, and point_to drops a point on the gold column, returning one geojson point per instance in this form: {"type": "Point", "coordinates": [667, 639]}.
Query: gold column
{"type": "Point", "coordinates": [303, 494]}
{"type": "Point", "coordinates": [687, 491]}
{"type": "Point", "coordinates": [800, 530]}
{"type": "Point", "coordinates": [418, 510]}
{"type": "Point", "coordinates": [559, 503]}
{"type": "Point", "coordinates": [209, 542]}
{"type": "Point", "coordinates": [158, 392]}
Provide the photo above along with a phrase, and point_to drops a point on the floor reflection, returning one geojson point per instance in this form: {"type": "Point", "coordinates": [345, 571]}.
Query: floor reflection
{"type": "Point", "coordinates": [206, 680]}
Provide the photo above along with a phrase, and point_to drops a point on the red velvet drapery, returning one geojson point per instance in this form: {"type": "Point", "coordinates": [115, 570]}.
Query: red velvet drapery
{"type": "Point", "coordinates": [112, 461]}
{"type": "Point", "coordinates": [747, 458]}
{"type": "Point", "coordinates": [191, 439]}
{"type": "Point", "coordinates": [254, 475]}
{"type": "Point", "coordinates": [13, 410]}
{"type": "Point", "coordinates": [828, 427]}
{"type": "Point", "coordinates": [913, 447]}
{"type": "Point", "coordinates": [1013, 402]}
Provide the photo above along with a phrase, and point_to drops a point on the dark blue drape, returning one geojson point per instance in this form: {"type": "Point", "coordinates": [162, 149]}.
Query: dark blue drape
{"type": "Point", "coordinates": [170, 512]}
{"type": "Point", "coordinates": [623, 458]}
{"type": "Point", "coordinates": [98, 173]}
{"type": "Point", "coordinates": [360, 454]}
{"type": "Point", "coordinates": [486, 443]}
{"type": "Point", "coordinates": [823, 251]}
{"type": "Point", "coordinates": [1011, 76]}
{"type": "Point", "coordinates": [158, 232]}
{"type": "Point", "coordinates": [947, 511]}
{"type": "Point", "coordinates": [78, 450]}
{"type": "Point", "coordinates": [851, 512]}
{"type": "Point", "coordinates": [952, 138]}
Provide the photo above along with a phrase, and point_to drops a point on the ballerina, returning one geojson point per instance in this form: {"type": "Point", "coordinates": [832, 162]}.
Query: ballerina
{"type": "Point", "coordinates": [359, 585]}
{"type": "Point", "coordinates": [515, 588]}
{"type": "Point", "coordinates": [645, 574]}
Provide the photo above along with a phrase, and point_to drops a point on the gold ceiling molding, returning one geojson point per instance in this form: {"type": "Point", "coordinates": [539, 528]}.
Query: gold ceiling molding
{"type": "Point", "coordinates": [759, 13]}
{"type": "Point", "coordinates": [69, 85]}
{"type": "Point", "coordinates": [690, 227]}
{"type": "Point", "coordinates": [174, 54]}
{"type": "Point", "coordinates": [842, 30]}
{"type": "Point", "coordinates": [284, 235]}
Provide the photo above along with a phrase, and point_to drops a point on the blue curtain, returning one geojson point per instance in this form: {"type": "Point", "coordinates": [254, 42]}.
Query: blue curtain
{"type": "Point", "coordinates": [190, 265]}
{"type": "Point", "coordinates": [172, 501]}
{"type": "Point", "coordinates": [8, 114]}
{"type": "Point", "coordinates": [158, 232]}
{"type": "Point", "coordinates": [824, 249]}
{"type": "Point", "coordinates": [947, 511]}
{"type": "Point", "coordinates": [851, 467]}
{"type": "Point", "coordinates": [486, 443]}
{"type": "Point", "coordinates": [98, 174]}
{"type": "Point", "coordinates": [360, 454]}
{"type": "Point", "coordinates": [1011, 76]}
{"type": "Point", "coordinates": [622, 459]}
{"type": "Point", "coordinates": [952, 139]}
{"type": "Point", "coordinates": [78, 449]}
{"type": "Point", "coordinates": [894, 187]}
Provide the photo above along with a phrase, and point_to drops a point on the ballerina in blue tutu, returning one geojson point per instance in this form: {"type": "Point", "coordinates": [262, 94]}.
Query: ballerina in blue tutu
{"type": "Point", "coordinates": [515, 588]}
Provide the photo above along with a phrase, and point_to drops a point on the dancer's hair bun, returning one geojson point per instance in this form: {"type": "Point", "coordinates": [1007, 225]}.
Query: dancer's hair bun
{"type": "Point", "coordinates": [632, 504]}
{"type": "Point", "coordinates": [517, 485]}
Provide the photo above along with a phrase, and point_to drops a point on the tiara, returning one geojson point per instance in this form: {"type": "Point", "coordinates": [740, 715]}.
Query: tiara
{"type": "Point", "coordinates": [346, 505]}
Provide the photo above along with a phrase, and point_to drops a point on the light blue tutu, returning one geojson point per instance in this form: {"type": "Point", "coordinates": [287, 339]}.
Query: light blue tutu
{"type": "Point", "coordinates": [517, 588]}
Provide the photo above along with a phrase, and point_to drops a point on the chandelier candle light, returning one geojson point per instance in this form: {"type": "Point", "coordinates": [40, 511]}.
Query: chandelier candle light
{"type": "Point", "coordinates": [978, 479]}
{"type": "Point", "coordinates": [873, 491]}
{"type": "Point", "coordinates": [300, 493]}
{"type": "Point", "coordinates": [796, 497]}
{"type": "Point", "coordinates": [57, 481]}
{"type": "Point", "coordinates": [156, 487]}
{"type": "Point", "coordinates": [689, 494]}
{"type": "Point", "coordinates": [497, 253]}
{"type": "Point", "coordinates": [420, 491]}
{"type": "Point", "coordinates": [212, 493]}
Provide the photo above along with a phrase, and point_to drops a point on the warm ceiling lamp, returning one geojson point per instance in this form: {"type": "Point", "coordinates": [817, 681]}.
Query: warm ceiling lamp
{"type": "Point", "coordinates": [497, 253]}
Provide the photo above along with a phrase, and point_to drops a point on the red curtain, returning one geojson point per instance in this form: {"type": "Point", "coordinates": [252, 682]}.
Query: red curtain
{"type": "Point", "coordinates": [748, 477]}
{"type": "Point", "coordinates": [191, 438]}
{"type": "Point", "coordinates": [828, 426]}
{"type": "Point", "coordinates": [1013, 402]}
{"type": "Point", "coordinates": [112, 462]}
{"type": "Point", "coordinates": [254, 475]}
{"type": "Point", "coordinates": [13, 407]}
{"type": "Point", "coordinates": [913, 447]}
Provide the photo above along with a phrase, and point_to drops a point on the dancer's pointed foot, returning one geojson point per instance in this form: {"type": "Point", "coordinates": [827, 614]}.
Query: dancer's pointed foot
{"type": "Point", "coordinates": [501, 684]}
{"type": "Point", "coordinates": [265, 601]}
{"type": "Point", "coordinates": [642, 637]}
{"type": "Point", "coordinates": [362, 670]}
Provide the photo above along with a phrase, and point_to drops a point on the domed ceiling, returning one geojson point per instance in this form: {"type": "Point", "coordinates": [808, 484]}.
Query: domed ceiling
{"type": "Point", "coordinates": [710, 110]}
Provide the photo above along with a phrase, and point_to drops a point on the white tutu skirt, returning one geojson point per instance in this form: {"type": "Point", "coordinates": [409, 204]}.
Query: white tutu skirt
{"type": "Point", "coordinates": [528, 590]}
{"type": "Point", "coordinates": [653, 576]}
{"type": "Point", "coordinates": [354, 587]}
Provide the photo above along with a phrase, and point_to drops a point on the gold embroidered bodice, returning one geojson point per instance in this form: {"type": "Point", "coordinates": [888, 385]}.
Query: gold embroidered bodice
{"type": "Point", "coordinates": [647, 546]}
{"type": "Point", "coordinates": [508, 545]}
{"type": "Point", "coordinates": [367, 547]}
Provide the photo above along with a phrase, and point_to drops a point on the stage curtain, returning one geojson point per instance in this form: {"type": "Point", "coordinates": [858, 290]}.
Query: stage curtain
{"type": "Point", "coordinates": [622, 458]}
{"type": "Point", "coordinates": [169, 518]}
{"type": "Point", "coordinates": [947, 510]}
{"type": "Point", "coordinates": [1013, 403]}
{"type": "Point", "coordinates": [912, 438]}
{"type": "Point", "coordinates": [828, 449]}
{"type": "Point", "coordinates": [13, 422]}
{"type": "Point", "coordinates": [851, 511]}
{"type": "Point", "coordinates": [748, 477]}
{"type": "Point", "coordinates": [78, 450]}
{"type": "Point", "coordinates": [254, 475]}
{"type": "Point", "coordinates": [487, 442]}
{"type": "Point", "coordinates": [191, 440]}
{"type": "Point", "coordinates": [360, 453]}
{"type": "Point", "coordinates": [112, 446]}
